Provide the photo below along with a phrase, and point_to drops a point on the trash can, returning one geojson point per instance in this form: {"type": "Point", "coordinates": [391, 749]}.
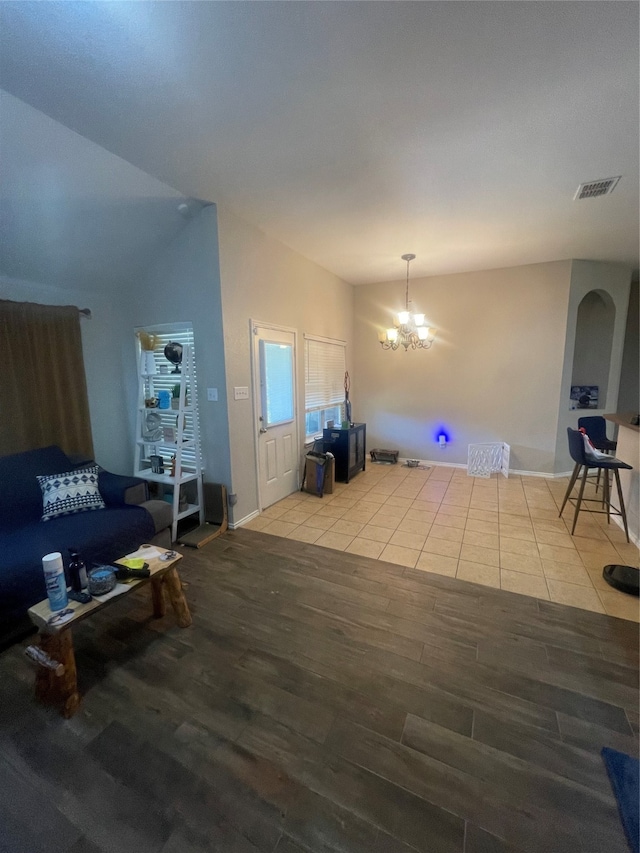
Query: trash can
{"type": "Point", "coordinates": [319, 473]}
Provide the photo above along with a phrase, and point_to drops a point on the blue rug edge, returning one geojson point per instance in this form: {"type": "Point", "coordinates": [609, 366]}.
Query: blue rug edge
{"type": "Point", "coordinates": [624, 775]}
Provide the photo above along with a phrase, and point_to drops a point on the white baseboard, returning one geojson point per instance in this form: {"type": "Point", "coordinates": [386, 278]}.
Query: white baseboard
{"type": "Point", "coordinates": [546, 475]}
{"type": "Point", "coordinates": [432, 463]}
{"type": "Point", "coordinates": [242, 521]}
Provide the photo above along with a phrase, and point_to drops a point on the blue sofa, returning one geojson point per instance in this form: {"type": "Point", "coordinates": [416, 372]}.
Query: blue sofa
{"type": "Point", "coordinates": [102, 535]}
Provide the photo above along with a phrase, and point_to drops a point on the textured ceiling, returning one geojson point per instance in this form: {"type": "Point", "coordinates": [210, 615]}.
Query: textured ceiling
{"type": "Point", "coordinates": [356, 131]}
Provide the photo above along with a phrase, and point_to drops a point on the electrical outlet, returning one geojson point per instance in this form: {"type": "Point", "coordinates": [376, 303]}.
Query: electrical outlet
{"type": "Point", "coordinates": [212, 395]}
{"type": "Point", "coordinates": [240, 392]}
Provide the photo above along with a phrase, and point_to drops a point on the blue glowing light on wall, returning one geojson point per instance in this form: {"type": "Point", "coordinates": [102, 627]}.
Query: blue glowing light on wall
{"type": "Point", "coordinates": [442, 436]}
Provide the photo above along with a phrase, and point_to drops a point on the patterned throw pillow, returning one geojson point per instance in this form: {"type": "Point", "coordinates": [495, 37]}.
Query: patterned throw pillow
{"type": "Point", "coordinates": [73, 491]}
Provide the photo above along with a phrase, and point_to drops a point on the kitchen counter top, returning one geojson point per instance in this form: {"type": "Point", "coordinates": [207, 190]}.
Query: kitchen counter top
{"type": "Point", "coordinates": [628, 450]}
{"type": "Point", "coordinates": [623, 419]}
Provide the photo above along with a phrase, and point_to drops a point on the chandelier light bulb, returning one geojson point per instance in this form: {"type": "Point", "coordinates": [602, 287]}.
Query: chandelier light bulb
{"type": "Point", "coordinates": [403, 316]}
{"type": "Point", "coordinates": [418, 319]}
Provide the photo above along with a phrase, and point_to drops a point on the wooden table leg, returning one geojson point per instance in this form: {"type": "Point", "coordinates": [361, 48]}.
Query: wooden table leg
{"type": "Point", "coordinates": [59, 690]}
{"type": "Point", "coordinates": [157, 597]}
{"type": "Point", "coordinates": [177, 599]}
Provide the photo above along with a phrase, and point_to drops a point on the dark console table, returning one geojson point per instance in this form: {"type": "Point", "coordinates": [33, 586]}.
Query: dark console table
{"type": "Point", "coordinates": [348, 447]}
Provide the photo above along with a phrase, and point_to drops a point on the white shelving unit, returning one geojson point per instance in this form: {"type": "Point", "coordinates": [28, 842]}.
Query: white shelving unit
{"type": "Point", "coordinates": [172, 434]}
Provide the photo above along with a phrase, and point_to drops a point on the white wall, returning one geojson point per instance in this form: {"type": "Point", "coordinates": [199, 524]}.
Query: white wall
{"type": "Point", "coordinates": [82, 226]}
{"type": "Point", "coordinates": [102, 360]}
{"type": "Point", "coordinates": [78, 225]}
{"type": "Point", "coordinates": [183, 285]}
{"type": "Point", "coordinates": [71, 213]}
{"type": "Point", "coordinates": [613, 279]}
{"type": "Point", "coordinates": [266, 281]}
{"type": "Point", "coordinates": [493, 374]}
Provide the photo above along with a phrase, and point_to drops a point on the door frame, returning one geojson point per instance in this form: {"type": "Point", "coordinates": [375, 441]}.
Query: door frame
{"type": "Point", "coordinates": [255, 395]}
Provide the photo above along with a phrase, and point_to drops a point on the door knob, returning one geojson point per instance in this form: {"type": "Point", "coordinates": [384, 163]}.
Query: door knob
{"type": "Point", "coordinates": [262, 429]}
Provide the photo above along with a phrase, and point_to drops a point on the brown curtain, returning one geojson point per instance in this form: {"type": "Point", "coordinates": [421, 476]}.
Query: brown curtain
{"type": "Point", "coordinates": [45, 390]}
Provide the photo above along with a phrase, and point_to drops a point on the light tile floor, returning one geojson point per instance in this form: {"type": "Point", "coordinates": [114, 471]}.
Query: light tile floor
{"type": "Point", "coordinates": [503, 533]}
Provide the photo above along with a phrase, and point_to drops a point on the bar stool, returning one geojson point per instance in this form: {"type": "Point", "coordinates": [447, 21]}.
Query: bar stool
{"type": "Point", "coordinates": [595, 427]}
{"type": "Point", "coordinates": [579, 456]}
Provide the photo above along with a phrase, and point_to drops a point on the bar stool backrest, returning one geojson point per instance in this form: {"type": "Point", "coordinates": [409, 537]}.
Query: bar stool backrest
{"type": "Point", "coordinates": [576, 447]}
{"type": "Point", "coordinates": [596, 428]}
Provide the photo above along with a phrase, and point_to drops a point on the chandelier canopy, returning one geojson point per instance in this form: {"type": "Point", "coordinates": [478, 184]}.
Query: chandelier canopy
{"type": "Point", "coordinates": [409, 329]}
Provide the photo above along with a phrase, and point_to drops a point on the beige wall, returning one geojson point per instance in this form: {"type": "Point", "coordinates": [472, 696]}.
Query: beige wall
{"type": "Point", "coordinates": [615, 280]}
{"type": "Point", "coordinates": [493, 374]}
{"type": "Point", "coordinates": [263, 280]}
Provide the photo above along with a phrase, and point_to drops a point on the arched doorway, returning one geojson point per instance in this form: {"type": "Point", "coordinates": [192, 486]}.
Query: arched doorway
{"type": "Point", "coordinates": [592, 352]}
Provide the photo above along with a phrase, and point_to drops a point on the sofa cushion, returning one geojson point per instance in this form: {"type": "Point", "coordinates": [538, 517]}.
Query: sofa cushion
{"type": "Point", "coordinates": [161, 512]}
{"type": "Point", "coordinates": [20, 495]}
{"type": "Point", "coordinates": [70, 492]}
{"type": "Point", "coordinates": [100, 537]}
{"type": "Point", "coordinates": [118, 489]}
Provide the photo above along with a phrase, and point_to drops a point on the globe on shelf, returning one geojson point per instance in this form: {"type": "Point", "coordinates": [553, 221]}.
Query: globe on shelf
{"type": "Point", "coordinates": [173, 353]}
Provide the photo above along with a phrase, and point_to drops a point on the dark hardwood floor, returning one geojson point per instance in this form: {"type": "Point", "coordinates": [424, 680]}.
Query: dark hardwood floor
{"type": "Point", "coordinates": [324, 702]}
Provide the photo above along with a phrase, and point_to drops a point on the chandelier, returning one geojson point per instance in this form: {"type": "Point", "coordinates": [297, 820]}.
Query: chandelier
{"type": "Point", "coordinates": [409, 330]}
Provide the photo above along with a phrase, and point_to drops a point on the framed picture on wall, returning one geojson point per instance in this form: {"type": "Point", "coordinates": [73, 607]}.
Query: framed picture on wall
{"type": "Point", "coordinates": [584, 397]}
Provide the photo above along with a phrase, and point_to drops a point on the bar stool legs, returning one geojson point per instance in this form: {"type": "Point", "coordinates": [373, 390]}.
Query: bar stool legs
{"type": "Point", "coordinates": [623, 511]}
{"type": "Point", "coordinates": [574, 477]}
{"type": "Point", "coordinates": [606, 496]}
{"type": "Point", "coordinates": [583, 483]}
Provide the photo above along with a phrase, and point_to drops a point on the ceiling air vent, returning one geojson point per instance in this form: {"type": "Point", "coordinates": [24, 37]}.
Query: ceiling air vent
{"type": "Point", "coordinates": [592, 189]}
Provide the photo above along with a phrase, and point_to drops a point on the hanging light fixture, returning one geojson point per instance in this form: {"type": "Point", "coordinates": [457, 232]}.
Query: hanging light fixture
{"type": "Point", "coordinates": [409, 330]}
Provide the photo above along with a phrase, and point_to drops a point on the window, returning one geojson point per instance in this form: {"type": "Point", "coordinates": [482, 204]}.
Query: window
{"type": "Point", "coordinates": [276, 382]}
{"type": "Point", "coordinates": [325, 365]}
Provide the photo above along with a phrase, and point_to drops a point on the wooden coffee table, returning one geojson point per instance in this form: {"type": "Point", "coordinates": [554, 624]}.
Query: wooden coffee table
{"type": "Point", "coordinates": [59, 686]}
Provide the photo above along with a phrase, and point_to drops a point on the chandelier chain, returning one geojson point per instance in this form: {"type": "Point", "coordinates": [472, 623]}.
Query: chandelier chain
{"type": "Point", "coordinates": [406, 297]}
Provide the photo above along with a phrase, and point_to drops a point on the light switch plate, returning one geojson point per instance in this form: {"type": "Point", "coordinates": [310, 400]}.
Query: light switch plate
{"type": "Point", "coordinates": [240, 392]}
{"type": "Point", "coordinates": [212, 394]}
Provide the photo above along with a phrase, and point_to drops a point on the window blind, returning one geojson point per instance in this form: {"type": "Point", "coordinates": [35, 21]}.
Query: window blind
{"type": "Point", "coordinates": [325, 365]}
{"type": "Point", "coordinates": [181, 333]}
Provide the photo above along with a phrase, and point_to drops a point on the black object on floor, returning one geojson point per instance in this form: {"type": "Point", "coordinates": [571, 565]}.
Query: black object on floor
{"type": "Point", "coordinates": [624, 578]}
{"type": "Point", "coordinates": [379, 455]}
{"type": "Point", "coordinates": [623, 774]}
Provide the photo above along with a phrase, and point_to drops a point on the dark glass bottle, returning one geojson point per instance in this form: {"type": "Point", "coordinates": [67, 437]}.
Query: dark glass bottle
{"type": "Point", "coordinates": [77, 572]}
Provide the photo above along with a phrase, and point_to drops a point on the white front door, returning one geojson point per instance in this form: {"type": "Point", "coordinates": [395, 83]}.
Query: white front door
{"type": "Point", "coordinates": [274, 356]}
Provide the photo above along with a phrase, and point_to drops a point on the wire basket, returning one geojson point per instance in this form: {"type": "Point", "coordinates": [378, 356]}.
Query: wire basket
{"type": "Point", "coordinates": [487, 459]}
